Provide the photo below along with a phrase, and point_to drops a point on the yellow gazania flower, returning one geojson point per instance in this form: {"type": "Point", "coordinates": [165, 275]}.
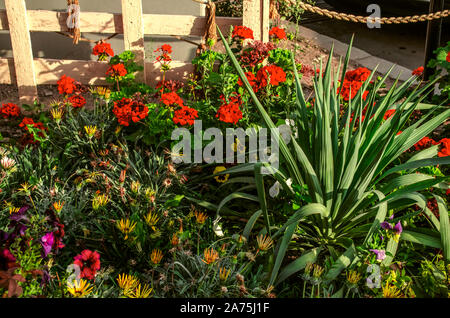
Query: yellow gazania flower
{"type": "Point", "coordinates": [127, 282]}
{"type": "Point", "coordinates": [13, 210]}
{"type": "Point", "coordinates": [25, 187]}
{"type": "Point", "coordinates": [150, 194]}
{"type": "Point", "coordinates": [100, 200]}
{"type": "Point", "coordinates": [57, 114]}
{"type": "Point", "coordinates": [90, 131]}
{"type": "Point", "coordinates": [156, 256]}
{"type": "Point", "coordinates": [224, 273]}
{"type": "Point", "coordinates": [135, 186]}
{"type": "Point", "coordinates": [58, 206]}
{"type": "Point", "coordinates": [318, 271]}
{"type": "Point", "coordinates": [79, 288]}
{"type": "Point", "coordinates": [200, 217]}
{"type": "Point", "coordinates": [152, 219]}
{"type": "Point", "coordinates": [264, 242]}
{"type": "Point", "coordinates": [210, 256]}
{"type": "Point", "coordinates": [223, 177]}
{"type": "Point", "coordinates": [140, 292]}
{"type": "Point", "coordinates": [353, 277]}
{"type": "Point", "coordinates": [391, 291]}
{"type": "Point", "coordinates": [126, 227]}
{"type": "Point", "coordinates": [101, 91]}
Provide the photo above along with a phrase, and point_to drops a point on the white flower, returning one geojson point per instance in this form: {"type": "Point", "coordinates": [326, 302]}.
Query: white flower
{"type": "Point", "coordinates": [217, 228]}
{"type": "Point", "coordinates": [7, 163]}
{"type": "Point", "coordinates": [274, 191]}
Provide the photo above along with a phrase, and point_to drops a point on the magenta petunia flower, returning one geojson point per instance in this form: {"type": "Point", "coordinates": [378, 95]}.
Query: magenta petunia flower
{"type": "Point", "coordinates": [381, 254]}
{"type": "Point", "coordinates": [47, 243]}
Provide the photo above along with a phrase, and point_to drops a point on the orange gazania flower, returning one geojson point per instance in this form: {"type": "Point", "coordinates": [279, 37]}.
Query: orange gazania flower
{"type": "Point", "coordinates": [156, 256]}
{"type": "Point", "coordinates": [200, 217]}
{"type": "Point", "coordinates": [210, 256]}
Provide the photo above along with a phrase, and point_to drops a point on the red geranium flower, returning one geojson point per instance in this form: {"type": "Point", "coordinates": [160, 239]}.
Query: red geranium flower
{"type": "Point", "coordinates": [66, 85]}
{"type": "Point", "coordinates": [117, 70]}
{"type": "Point", "coordinates": [353, 81]}
{"type": "Point", "coordinates": [255, 53]}
{"type": "Point", "coordinates": [389, 113]}
{"type": "Point", "coordinates": [185, 115]}
{"type": "Point", "coordinates": [445, 147]}
{"type": "Point", "coordinates": [89, 263]}
{"type": "Point", "coordinates": [9, 110]}
{"type": "Point", "coordinates": [278, 33]}
{"type": "Point", "coordinates": [251, 79]}
{"type": "Point", "coordinates": [165, 48]}
{"type": "Point", "coordinates": [77, 101]}
{"type": "Point", "coordinates": [103, 50]}
{"type": "Point", "coordinates": [170, 99]}
{"type": "Point", "coordinates": [230, 112]}
{"type": "Point", "coordinates": [425, 142]}
{"type": "Point", "coordinates": [270, 74]}
{"type": "Point", "coordinates": [127, 110]}
{"type": "Point", "coordinates": [242, 33]}
{"type": "Point", "coordinates": [448, 57]}
{"type": "Point", "coordinates": [29, 138]}
{"type": "Point", "coordinates": [418, 71]}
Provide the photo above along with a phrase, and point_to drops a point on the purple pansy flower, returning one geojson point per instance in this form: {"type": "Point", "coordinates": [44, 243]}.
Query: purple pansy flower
{"type": "Point", "coordinates": [47, 243]}
{"type": "Point", "coordinates": [385, 225]}
{"type": "Point", "coordinates": [398, 228]}
{"type": "Point", "coordinates": [381, 254]}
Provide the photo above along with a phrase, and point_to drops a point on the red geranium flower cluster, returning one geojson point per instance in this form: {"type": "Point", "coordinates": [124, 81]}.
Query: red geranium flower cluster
{"type": "Point", "coordinates": [127, 110]}
{"type": "Point", "coordinates": [185, 116]}
{"type": "Point", "coordinates": [418, 71]}
{"type": "Point", "coordinates": [242, 33]}
{"type": "Point", "coordinates": [270, 74]}
{"type": "Point", "coordinates": [170, 99]}
{"type": "Point", "coordinates": [255, 53]}
{"type": "Point", "coordinates": [251, 79]}
{"type": "Point", "coordinates": [278, 33]}
{"type": "Point", "coordinates": [445, 147]}
{"type": "Point", "coordinates": [9, 110]}
{"type": "Point", "coordinates": [66, 85]}
{"type": "Point", "coordinates": [353, 81]}
{"type": "Point", "coordinates": [448, 57]}
{"type": "Point", "coordinates": [103, 50]}
{"type": "Point", "coordinates": [89, 263]}
{"type": "Point", "coordinates": [29, 138]}
{"type": "Point", "coordinates": [77, 101]}
{"type": "Point", "coordinates": [116, 71]}
{"type": "Point", "coordinates": [425, 142]}
{"type": "Point", "coordinates": [164, 57]}
{"type": "Point", "coordinates": [389, 114]}
{"type": "Point", "coordinates": [230, 112]}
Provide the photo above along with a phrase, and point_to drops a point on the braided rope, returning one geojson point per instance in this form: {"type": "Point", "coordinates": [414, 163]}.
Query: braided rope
{"type": "Point", "coordinates": [362, 19]}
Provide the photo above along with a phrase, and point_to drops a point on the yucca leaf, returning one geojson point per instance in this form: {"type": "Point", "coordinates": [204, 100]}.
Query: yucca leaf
{"type": "Point", "coordinates": [341, 263]}
{"type": "Point", "coordinates": [251, 223]}
{"type": "Point", "coordinates": [421, 238]}
{"type": "Point", "coordinates": [444, 227]}
{"type": "Point", "coordinates": [299, 264]}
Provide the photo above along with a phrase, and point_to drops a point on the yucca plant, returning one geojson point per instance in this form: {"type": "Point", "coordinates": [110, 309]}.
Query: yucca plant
{"type": "Point", "coordinates": [347, 168]}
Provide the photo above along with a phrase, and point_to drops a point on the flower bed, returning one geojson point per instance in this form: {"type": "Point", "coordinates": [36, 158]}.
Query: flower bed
{"type": "Point", "coordinates": [98, 201]}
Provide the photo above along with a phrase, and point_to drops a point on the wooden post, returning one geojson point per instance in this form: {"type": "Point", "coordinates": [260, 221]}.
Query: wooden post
{"type": "Point", "coordinates": [133, 32]}
{"type": "Point", "coordinates": [433, 40]}
{"type": "Point", "coordinates": [22, 52]}
{"type": "Point", "coordinates": [256, 17]}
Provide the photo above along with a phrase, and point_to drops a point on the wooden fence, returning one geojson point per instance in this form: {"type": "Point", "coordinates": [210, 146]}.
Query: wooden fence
{"type": "Point", "coordinates": [28, 72]}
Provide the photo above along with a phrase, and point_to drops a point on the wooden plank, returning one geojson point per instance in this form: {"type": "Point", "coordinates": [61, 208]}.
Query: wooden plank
{"type": "Point", "coordinates": [133, 29]}
{"type": "Point", "coordinates": [22, 51]}
{"type": "Point", "coordinates": [256, 17]}
{"type": "Point", "coordinates": [49, 71]}
{"type": "Point", "coordinates": [99, 22]}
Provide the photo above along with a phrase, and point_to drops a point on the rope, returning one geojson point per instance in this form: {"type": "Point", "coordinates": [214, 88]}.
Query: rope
{"type": "Point", "coordinates": [362, 19]}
